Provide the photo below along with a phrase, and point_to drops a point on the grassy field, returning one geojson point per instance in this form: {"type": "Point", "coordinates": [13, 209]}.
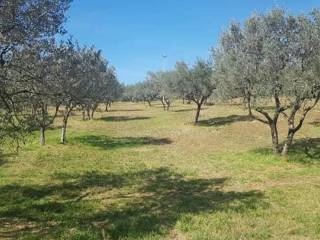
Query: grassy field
{"type": "Point", "coordinates": [138, 172]}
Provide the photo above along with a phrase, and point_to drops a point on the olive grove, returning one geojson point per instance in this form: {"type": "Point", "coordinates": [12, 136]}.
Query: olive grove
{"type": "Point", "coordinates": [271, 62]}
{"type": "Point", "coordinates": [25, 25]}
{"type": "Point", "coordinates": [39, 77]}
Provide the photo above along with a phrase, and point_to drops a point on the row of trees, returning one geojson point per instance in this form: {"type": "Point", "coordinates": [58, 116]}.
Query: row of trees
{"type": "Point", "coordinates": [40, 78]}
{"type": "Point", "coordinates": [272, 62]}
{"type": "Point", "coordinates": [193, 83]}
{"type": "Point", "coordinates": [156, 87]}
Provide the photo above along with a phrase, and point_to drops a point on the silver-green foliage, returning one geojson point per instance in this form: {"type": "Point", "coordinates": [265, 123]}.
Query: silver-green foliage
{"type": "Point", "coordinates": [196, 83]}
{"type": "Point", "coordinates": [273, 57]}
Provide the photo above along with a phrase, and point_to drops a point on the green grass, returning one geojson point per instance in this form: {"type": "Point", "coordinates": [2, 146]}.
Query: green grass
{"type": "Point", "coordinates": [138, 172]}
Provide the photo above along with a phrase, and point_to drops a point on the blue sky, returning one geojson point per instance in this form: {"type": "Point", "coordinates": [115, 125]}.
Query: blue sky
{"type": "Point", "coordinates": [134, 34]}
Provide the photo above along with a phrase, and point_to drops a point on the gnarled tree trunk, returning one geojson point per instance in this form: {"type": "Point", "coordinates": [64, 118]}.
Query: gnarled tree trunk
{"type": "Point", "coordinates": [272, 122]}
{"type": "Point", "coordinates": [274, 136]}
{"type": "Point", "coordinates": [167, 101]}
{"type": "Point", "coordinates": [163, 104]}
{"type": "Point", "coordinates": [249, 106]}
{"type": "Point", "coordinates": [63, 138]}
{"type": "Point", "coordinates": [196, 119]}
{"type": "Point", "coordinates": [292, 129]}
{"type": "Point", "coordinates": [94, 108]}
{"type": "Point", "coordinates": [287, 143]}
{"type": "Point", "coordinates": [42, 136]}
{"type": "Point", "coordinates": [88, 113]}
{"type": "Point", "coordinates": [199, 105]}
{"type": "Point", "coordinates": [45, 122]}
{"type": "Point", "coordinates": [83, 115]}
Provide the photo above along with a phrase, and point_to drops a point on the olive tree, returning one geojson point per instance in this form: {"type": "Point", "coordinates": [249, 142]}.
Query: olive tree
{"type": "Point", "coordinates": [94, 78]}
{"type": "Point", "coordinates": [150, 88]}
{"type": "Point", "coordinates": [70, 83]}
{"type": "Point", "coordinates": [198, 82]}
{"type": "Point", "coordinates": [145, 91]}
{"type": "Point", "coordinates": [128, 93]}
{"type": "Point", "coordinates": [155, 88]}
{"type": "Point", "coordinates": [102, 81]}
{"type": "Point", "coordinates": [85, 80]}
{"type": "Point", "coordinates": [167, 82]}
{"type": "Point", "coordinates": [24, 23]}
{"type": "Point", "coordinates": [279, 54]}
{"type": "Point", "coordinates": [113, 89]}
{"type": "Point", "coordinates": [236, 60]}
{"type": "Point", "coordinates": [37, 69]}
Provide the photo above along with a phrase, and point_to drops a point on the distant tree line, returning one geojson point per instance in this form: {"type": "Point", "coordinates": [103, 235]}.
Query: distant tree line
{"type": "Point", "coordinates": [193, 83]}
{"type": "Point", "coordinates": [40, 77]}
{"type": "Point", "coordinates": [271, 62]}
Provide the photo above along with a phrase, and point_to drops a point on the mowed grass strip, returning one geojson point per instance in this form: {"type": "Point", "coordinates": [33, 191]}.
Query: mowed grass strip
{"type": "Point", "coordinates": [138, 172]}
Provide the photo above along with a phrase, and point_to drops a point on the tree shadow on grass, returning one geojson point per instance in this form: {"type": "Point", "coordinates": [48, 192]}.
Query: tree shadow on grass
{"type": "Point", "coordinates": [54, 127]}
{"type": "Point", "coordinates": [125, 110]}
{"type": "Point", "coordinates": [315, 123]}
{"type": "Point", "coordinates": [165, 197]}
{"type": "Point", "coordinates": [2, 160]}
{"type": "Point", "coordinates": [189, 110]}
{"type": "Point", "coordinates": [147, 202]}
{"type": "Point", "coordinates": [4, 157]}
{"type": "Point", "coordinates": [122, 118]}
{"type": "Point", "coordinates": [221, 121]}
{"type": "Point", "coordinates": [38, 210]}
{"type": "Point", "coordinates": [306, 150]}
{"type": "Point", "coordinates": [185, 110]}
{"type": "Point", "coordinates": [107, 143]}
{"type": "Point", "coordinates": [72, 113]}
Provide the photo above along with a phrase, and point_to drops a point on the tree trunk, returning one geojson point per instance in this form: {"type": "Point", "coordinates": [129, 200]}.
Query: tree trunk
{"type": "Point", "coordinates": [275, 137]}
{"type": "Point", "coordinates": [182, 100]}
{"type": "Point", "coordinates": [288, 143]}
{"type": "Point", "coordinates": [249, 111]}
{"type": "Point", "coordinates": [163, 104]}
{"type": "Point", "coordinates": [248, 102]}
{"type": "Point", "coordinates": [167, 101]}
{"type": "Point", "coordinates": [88, 113]}
{"type": "Point", "coordinates": [106, 109]}
{"type": "Point", "coordinates": [196, 120]}
{"type": "Point", "coordinates": [63, 138]}
{"type": "Point", "coordinates": [272, 122]}
{"type": "Point", "coordinates": [249, 107]}
{"type": "Point", "coordinates": [292, 129]}
{"type": "Point", "coordinates": [149, 102]}
{"type": "Point", "coordinates": [94, 108]}
{"type": "Point", "coordinates": [42, 136]}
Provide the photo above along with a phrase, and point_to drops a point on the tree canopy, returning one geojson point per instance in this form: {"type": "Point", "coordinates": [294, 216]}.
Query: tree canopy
{"type": "Point", "coordinates": [273, 60]}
